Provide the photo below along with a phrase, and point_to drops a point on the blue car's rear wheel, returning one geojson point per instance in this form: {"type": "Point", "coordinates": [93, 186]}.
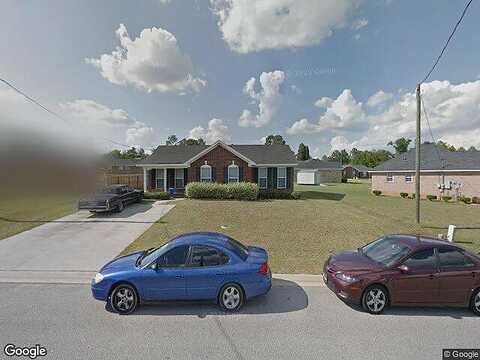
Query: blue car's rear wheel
{"type": "Point", "coordinates": [124, 299]}
{"type": "Point", "coordinates": [231, 297]}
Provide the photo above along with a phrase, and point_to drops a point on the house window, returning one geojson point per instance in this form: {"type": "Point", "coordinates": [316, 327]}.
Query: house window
{"type": "Point", "coordinates": [281, 178]}
{"type": "Point", "coordinates": [262, 178]}
{"type": "Point", "coordinates": [179, 178]}
{"type": "Point", "coordinates": [390, 178]}
{"type": "Point", "coordinates": [408, 178]}
{"type": "Point", "coordinates": [233, 173]}
{"type": "Point", "coordinates": [159, 179]}
{"type": "Point", "coordinates": [206, 173]}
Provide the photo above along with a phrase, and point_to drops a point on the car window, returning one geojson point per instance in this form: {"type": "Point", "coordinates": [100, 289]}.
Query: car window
{"type": "Point", "coordinates": [422, 260]}
{"type": "Point", "coordinates": [238, 248]}
{"type": "Point", "coordinates": [453, 258]}
{"type": "Point", "coordinates": [207, 256]}
{"type": "Point", "coordinates": [174, 258]}
{"type": "Point", "coordinates": [386, 251]}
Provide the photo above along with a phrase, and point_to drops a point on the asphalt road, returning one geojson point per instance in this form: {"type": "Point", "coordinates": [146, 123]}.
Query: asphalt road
{"type": "Point", "coordinates": [291, 322]}
{"type": "Point", "coordinates": [78, 242]}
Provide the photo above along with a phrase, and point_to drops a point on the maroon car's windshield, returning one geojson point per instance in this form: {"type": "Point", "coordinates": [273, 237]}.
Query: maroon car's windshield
{"type": "Point", "coordinates": [386, 251]}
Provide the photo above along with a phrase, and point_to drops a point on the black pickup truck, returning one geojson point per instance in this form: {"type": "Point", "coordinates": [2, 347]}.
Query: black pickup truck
{"type": "Point", "coordinates": [111, 198]}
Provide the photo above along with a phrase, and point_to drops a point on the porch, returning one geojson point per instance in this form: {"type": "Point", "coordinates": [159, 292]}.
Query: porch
{"type": "Point", "coordinates": [167, 179]}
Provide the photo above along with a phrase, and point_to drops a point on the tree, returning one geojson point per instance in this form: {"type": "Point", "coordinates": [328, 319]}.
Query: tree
{"type": "Point", "coordinates": [171, 140]}
{"type": "Point", "coordinates": [340, 156]}
{"type": "Point", "coordinates": [472, 148]}
{"type": "Point", "coordinates": [400, 145]}
{"type": "Point", "coordinates": [130, 154]}
{"type": "Point", "coordinates": [274, 139]}
{"type": "Point", "coordinates": [445, 145]}
{"type": "Point", "coordinates": [462, 149]}
{"type": "Point", "coordinates": [303, 152]}
{"type": "Point", "coordinates": [190, 141]}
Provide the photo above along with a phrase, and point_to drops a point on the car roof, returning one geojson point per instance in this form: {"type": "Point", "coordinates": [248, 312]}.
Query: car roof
{"type": "Point", "coordinates": [201, 238]}
{"type": "Point", "coordinates": [421, 241]}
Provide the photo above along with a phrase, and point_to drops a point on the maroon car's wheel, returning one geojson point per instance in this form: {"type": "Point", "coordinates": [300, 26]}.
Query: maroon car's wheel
{"type": "Point", "coordinates": [375, 299]}
{"type": "Point", "coordinates": [124, 299]}
{"type": "Point", "coordinates": [475, 304]}
{"type": "Point", "coordinates": [231, 297]}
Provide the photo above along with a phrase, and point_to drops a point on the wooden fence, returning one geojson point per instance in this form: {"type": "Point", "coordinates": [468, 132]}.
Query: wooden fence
{"type": "Point", "coordinates": [133, 180]}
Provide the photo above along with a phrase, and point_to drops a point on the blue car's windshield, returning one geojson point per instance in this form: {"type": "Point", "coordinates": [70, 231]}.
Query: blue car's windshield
{"type": "Point", "coordinates": [151, 255]}
{"type": "Point", "coordinates": [385, 251]}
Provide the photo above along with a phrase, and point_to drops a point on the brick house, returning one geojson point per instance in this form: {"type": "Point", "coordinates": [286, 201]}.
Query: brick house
{"type": "Point", "coordinates": [356, 172]}
{"type": "Point", "coordinates": [171, 168]}
{"type": "Point", "coordinates": [315, 172]}
{"type": "Point", "coordinates": [443, 173]}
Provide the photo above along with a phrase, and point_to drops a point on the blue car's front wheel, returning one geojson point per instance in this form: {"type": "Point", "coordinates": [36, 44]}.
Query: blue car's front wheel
{"type": "Point", "coordinates": [231, 297]}
{"type": "Point", "coordinates": [124, 299]}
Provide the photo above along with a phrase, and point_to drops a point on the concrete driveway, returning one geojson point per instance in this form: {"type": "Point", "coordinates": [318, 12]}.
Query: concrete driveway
{"type": "Point", "coordinates": [81, 242]}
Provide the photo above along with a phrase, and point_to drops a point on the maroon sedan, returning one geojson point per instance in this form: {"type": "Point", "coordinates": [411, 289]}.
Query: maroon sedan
{"type": "Point", "coordinates": [405, 270]}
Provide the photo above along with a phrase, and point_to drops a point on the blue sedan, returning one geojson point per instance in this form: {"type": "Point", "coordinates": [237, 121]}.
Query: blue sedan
{"type": "Point", "coordinates": [195, 266]}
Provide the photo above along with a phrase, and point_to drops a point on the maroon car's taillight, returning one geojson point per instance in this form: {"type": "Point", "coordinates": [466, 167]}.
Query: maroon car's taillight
{"type": "Point", "coordinates": [263, 269]}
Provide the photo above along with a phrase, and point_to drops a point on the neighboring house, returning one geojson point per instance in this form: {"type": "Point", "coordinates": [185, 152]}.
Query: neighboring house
{"type": "Point", "coordinates": [171, 168]}
{"type": "Point", "coordinates": [121, 171]}
{"type": "Point", "coordinates": [443, 173]}
{"type": "Point", "coordinates": [315, 172]}
{"type": "Point", "coordinates": [356, 172]}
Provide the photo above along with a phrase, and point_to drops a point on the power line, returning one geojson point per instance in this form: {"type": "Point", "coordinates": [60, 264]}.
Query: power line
{"type": "Point", "coordinates": [448, 41]}
{"type": "Point", "coordinates": [431, 133]}
{"type": "Point", "coordinates": [32, 100]}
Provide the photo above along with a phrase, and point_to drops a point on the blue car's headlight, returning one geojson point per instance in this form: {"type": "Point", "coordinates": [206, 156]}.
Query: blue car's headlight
{"type": "Point", "coordinates": [346, 277]}
{"type": "Point", "coordinates": [98, 278]}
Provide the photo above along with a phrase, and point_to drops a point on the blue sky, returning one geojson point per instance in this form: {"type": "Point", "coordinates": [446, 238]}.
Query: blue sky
{"type": "Point", "coordinates": [354, 48]}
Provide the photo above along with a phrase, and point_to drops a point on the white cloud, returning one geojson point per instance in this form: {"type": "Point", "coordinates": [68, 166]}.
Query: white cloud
{"type": "Point", "coordinates": [340, 143]}
{"type": "Point", "coordinates": [359, 23]}
{"type": "Point", "coordinates": [295, 89]}
{"type": "Point", "coordinates": [254, 25]}
{"type": "Point", "coordinates": [216, 130]}
{"type": "Point", "coordinates": [342, 114]}
{"type": "Point", "coordinates": [268, 99]}
{"type": "Point", "coordinates": [379, 98]}
{"type": "Point", "coordinates": [151, 62]}
{"type": "Point", "coordinates": [141, 136]}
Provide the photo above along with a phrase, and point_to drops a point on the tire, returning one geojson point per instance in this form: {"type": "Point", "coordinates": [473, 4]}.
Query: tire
{"type": "Point", "coordinates": [119, 207]}
{"type": "Point", "coordinates": [231, 297]}
{"type": "Point", "coordinates": [475, 302]}
{"type": "Point", "coordinates": [124, 299]}
{"type": "Point", "coordinates": [375, 299]}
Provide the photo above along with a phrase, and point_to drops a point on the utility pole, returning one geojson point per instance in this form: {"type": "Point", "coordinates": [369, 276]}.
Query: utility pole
{"type": "Point", "coordinates": [417, 158]}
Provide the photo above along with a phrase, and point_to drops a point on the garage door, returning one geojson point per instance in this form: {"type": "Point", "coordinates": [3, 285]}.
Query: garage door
{"type": "Point", "coordinates": [306, 177]}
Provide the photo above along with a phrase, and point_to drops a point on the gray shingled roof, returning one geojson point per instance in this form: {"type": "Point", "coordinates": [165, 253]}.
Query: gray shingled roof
{"type": "Point", "coordinates": [260, 154]}
{"type": "Point", "coordinates": [361, 168]}
{"type": "Point", "coordinates": [319, 164]}
{"type": "Point", "coordinates": [430, 160]}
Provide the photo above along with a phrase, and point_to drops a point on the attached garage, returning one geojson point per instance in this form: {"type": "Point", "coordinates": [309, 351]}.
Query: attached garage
{"type": "Point", "coordinates": [316, 172]}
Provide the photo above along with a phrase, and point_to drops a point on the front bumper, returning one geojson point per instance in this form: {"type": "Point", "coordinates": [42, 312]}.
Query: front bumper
{"type": "Point", "coordinates": [348, 292]}
{"type": "Point", "coordinates": [100, 290]}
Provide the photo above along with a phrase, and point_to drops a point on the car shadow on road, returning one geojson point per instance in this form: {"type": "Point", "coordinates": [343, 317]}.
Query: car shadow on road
{"type": "Point", "coordinates": [127, 212]}
{"type": "Point", "coordinates": [452, 312]}
{"type": "Point", "coordinates": [284, 296]}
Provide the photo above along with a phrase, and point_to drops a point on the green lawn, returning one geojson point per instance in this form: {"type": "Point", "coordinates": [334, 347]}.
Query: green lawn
{"type": "Point", "coordinates": [20, 214]}
{"type": "Point", "coordinates": [299, 234]}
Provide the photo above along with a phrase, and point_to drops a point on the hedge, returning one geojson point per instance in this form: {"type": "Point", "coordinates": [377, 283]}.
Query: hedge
{"type": "Point", "coordinates": [446, 198]}
{"type": "Point", "coordinates": [465, 199]}
{"type": "Point", "coordinates": [476, 200]}
{"type": "Point", "coordinates": [377, 192]}
{"type": "Point", "coordinates": [161, 195]}
{"type": "Point", "coordinates": [212, 190]}
{"type": "Point", "coordinates": [404, 195]}
{"type": "Point", "coordinates": [432, 197]}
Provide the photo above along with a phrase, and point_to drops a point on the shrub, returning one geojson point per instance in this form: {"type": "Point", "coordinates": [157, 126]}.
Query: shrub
{"type": "Point", "coordinates": [404, 194]}
{"type": "Point", "coordinates": [476, 200]}
{"type": "Point", "coordinates": [465, 199]}
{"type": "Point", "coordinates": [446, 198]}
{"type": "Point", "coordinates": [432, 197]}
{"type": "Point", "coordinates": [296, 195]}
{"type": "Point", "coordinates": [377, 192]}
{"type": "Point", "coordinates": [412, 196]}
{"type": "Point", "coordinates": [211, 190]}
{"type": "Point", "coordinates": [161, 195]}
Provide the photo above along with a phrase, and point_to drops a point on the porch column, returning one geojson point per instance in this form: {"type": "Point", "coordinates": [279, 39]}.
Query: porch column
{"type": "Point", "coordinates": [165, 179]}
{"type": "Point", "coordinates": [145, 179]}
